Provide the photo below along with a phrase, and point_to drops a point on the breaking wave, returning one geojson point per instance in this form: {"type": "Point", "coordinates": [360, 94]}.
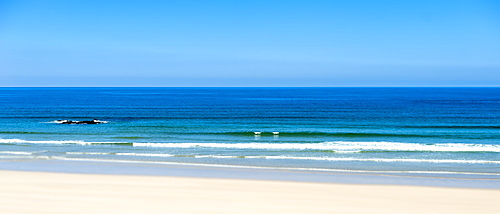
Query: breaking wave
{"type": "Point", "coordinates": [337, 146]}
{"type": "Point", "coordinates": [18, 141]}
{"type": "Point", "coordinates": [340, 146]}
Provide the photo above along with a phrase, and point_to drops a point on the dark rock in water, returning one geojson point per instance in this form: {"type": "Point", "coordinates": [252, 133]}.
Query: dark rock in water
{"type": "Point", "coordinates": [94, 121]}
{"type": "Point", "coordinates": [88, 122]}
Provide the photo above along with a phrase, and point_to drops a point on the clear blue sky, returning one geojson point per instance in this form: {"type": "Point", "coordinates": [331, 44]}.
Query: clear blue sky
{"type": "Point", "coordinates": [249, 43]}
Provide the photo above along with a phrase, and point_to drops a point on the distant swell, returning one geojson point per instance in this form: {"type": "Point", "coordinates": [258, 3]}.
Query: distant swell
{"type": "Point", "coordinates": [323, 134]}
{"type": "Point", "coordinates": [454, 127]}
{"type": "Point", "coordinates": [359, 135]}
{"type": "Point", "coordinates": [19, 132]}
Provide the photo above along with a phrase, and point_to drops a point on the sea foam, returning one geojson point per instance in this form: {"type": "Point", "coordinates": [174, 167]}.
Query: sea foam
{"type": "Point", "coordinates": [19, 141]}
{"type": "Point", "coordinates": [337, 146]}
{"type": "Point", "coordinates": [340, 146]}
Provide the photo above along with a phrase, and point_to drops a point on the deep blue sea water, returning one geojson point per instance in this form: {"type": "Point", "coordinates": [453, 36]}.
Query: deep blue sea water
{"type": "Point", "coordinates": [455, 130]}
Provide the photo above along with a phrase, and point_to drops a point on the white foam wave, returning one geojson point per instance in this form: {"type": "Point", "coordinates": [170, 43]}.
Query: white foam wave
{"type": "Point", "coordinates": [55, 142]}
{"type": "Point", "coordinates": [55, 121]}
{"type": "Point", "coordinates": [339, 146]}
{"type": "Point", "coordinates": [89, 153]}
{"type": "Point", "coordinates": [15, 153]}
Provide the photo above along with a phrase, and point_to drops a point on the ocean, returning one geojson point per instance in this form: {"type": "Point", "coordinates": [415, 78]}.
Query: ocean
{"type": "Point", "coordinates": [417, 130]}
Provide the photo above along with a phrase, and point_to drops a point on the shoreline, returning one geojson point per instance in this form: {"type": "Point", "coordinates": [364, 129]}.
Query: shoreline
{"type": "Point", "coordinates": [57, 192]}
{"type": "Point", "coordinates": [251, 173]}
{"type": "Point", "coordinates": [82, 187]}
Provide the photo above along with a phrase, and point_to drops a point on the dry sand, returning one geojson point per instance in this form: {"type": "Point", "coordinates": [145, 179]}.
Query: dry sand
{"type": "Point", "coordinates": [40, 192]}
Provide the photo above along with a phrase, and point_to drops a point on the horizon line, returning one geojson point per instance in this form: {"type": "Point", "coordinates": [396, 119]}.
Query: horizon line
{"type": "Point", "coordinates": [437, 86]}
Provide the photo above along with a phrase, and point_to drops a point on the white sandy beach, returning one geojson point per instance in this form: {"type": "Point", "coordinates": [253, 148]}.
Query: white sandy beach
{"type": "Point", "coordinates": [41, 192]}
